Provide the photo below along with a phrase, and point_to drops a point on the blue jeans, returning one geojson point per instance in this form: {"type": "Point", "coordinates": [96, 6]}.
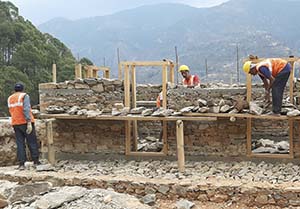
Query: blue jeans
{"type": "Point", "coordinates": [31, 140]}
{"type": "Point", "coordinates": [278, 88]}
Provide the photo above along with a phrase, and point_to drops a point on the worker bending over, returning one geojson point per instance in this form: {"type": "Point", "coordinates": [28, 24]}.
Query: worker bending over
{"type": "Point", "coordinates": [274, 73]}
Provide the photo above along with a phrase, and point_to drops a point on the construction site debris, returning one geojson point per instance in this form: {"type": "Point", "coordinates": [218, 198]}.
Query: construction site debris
{"type": "Point", "coordinates": [55, 110]}
{"type": "Point", "coordinates": [269, 146]}
{"type": "Point", "coordinates": [44, 195]}
{"type": "Point", "coordinates": [163, 112]}
{"type": "Point", "coordinates": [184, 204]}
{"type": "Point", "coordinates": [255, 109]}
{"type": "Point", "coordinates": [147, 112]}
{"type": "Point", "coordinates": [137, 110]}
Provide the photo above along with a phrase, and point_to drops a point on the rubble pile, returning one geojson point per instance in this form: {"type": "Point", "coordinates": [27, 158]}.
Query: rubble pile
{"type": "Point", "coordinates": [269, 146]}
{"type": "Point", "coordinates": [43, 196]}
{"type": "Point", "coordinates": [150, 144]}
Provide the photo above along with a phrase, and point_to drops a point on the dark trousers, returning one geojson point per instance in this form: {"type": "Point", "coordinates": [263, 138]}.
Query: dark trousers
{"type": "Point", "coordinates": [278, 88]}
{"type": "Point", "coordinates": [31, 140]}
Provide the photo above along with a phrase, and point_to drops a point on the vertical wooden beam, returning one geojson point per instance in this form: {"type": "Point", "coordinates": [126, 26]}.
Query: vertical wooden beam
{"type": "Point", "coordinates": [90, 72]}
{"type": "Point", "coordinates": [95, 73]}
{"type": "Point", "coordinates": [249, 137]}
{"type": "Point", "coordinates": [107, 73]}
{"type": "Point", "coordinates": [133, 93]}
{"type": "Point", "coordinates": [292, 75]}
{"type": "Point", "coordinates": [249, 87]}
{"type": "Point", "coordinates": [164, 85]}
{"type": "Point", "coordinates": [172, 73]}
{"type": "Point", "coordinates": [51, 151]}
{"type": "Point", "coordinates": [79, 71]}
{"type": "Point", "coordinates": [54, 73]}
{"type": "Point", "coordinates": [180, 145]}
{"type": "Point", "coordinates": [127, 137]}
{"type": "Point", "coordinates": [126, 86]}
{"type": "Point", "coordinates": [291, 137]}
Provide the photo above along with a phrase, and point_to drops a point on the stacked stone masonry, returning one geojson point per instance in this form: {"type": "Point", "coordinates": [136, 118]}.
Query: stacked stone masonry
{"type": "Point", "coordinates": [218, 138]}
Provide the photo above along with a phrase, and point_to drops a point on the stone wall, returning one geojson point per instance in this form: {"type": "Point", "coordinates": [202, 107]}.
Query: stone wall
{"type": "Point", "coordinates": [89, 94]}
{"type": "Point", "coordinates": [217, 138]}
{"type": "Point", "coordinates": [8, 148]}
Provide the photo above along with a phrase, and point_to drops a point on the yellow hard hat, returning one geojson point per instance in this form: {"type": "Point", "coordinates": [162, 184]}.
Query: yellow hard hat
{"type": "Point", "coordinates": [247, 66]}
{"type": "Point", "coordinates": [183, 68]}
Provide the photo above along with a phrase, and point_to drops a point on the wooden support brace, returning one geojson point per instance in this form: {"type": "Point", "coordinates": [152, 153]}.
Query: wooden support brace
{"type": "Point", "coordinates": [54, 73]}
{"type": "Point", "coordinates": [165, 137]}
{"type": "Point", "coordinates": [164, 86]}
{"type": "Point", "coordinates": [180, 145]}
{"type": "Point", "coordinates": [172, 74]}
{"type": "Point", "coordinates": [126, 86]}
{"type": "Point", "coordinates": [249, 87]}
{"type": "Point", "coordinates": [51, 150]}
{"type": "Point", "coordinates": [133, 92]}
{"type": "Point", "coordinates": [292, 75]}
{"type": "Point", "coordinates": [119, 71]}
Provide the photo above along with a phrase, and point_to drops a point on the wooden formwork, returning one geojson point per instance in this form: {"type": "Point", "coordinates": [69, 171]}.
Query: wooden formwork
{"type": "Point", "coordinates": [91, 71]}
{"type": "Point", "coordinates": [129, 69]}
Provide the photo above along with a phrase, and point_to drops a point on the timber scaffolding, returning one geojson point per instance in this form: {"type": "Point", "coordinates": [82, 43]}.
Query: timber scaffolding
{"type": "Point", "coordinates": [131, 126]}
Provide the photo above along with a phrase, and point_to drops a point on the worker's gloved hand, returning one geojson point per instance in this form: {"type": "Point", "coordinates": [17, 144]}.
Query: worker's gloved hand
{"type": "Point", "coordinates": [29, 128]}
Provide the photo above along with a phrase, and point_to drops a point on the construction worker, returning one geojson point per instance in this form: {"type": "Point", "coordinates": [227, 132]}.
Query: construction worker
{"type": "Point", "coordinates": [274, 73]}
{"type": "Point", "coordinates": [189, 80]}
{"type": "Point", "coordinates": [23, 124]}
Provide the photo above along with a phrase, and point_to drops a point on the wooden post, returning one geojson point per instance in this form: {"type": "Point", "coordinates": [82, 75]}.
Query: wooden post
{"type": "Point", "coordinates": [292, 75]}
{"type": "Point", "coordinates": [180, 145]}
{"type": "Point", "coordinates": [172, 73]}
{"type": "Point", "coordinates": [79, 71]}
{"type": "Point", "coordinates": [126, 86]}
{"type": "Point", "coordinates": [90, 72]}
{"type": "Point", "coordinates": [249, 87]}
{"type": "Point", "coordinates": [133, 92]}
{"type": "Point", "coordinates": [95, 73]}
{"type": "Point", "coordinates": [107, 73]}
{"type": "Point", "coordinates": [51, 151]}
{"type": "Point", "coordinates": [54, 73]}
{"type": "Point", "coordinates": [164, 85]}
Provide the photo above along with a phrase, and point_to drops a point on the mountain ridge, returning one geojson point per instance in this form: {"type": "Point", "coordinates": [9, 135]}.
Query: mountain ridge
{"type": "Point", "coordinates": [151, 32]}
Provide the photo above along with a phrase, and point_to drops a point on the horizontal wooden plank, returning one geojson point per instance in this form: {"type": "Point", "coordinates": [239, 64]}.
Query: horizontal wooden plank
{"type": "Point", "coordinates": [125, 118]}
{"type": "Point", "coordinates": [266, 155]}
{"type": "Point", "coordinates": [241, 115]}
{"type": "Point", "coordinates": [289, 59]}
{"type": "Point", "coordinates": [145, 63]}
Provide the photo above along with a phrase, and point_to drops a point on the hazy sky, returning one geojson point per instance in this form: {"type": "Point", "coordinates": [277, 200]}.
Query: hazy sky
{"type": "Point", "coordinates": [39, 11]}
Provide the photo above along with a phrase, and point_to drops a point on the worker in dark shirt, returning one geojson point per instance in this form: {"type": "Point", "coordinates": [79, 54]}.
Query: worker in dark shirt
{"type": "Point", "coordinates": [274, 73]}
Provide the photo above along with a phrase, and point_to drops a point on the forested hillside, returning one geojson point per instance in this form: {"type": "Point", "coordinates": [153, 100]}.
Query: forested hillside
{"type": "Point", "coordinates": [26, 55]}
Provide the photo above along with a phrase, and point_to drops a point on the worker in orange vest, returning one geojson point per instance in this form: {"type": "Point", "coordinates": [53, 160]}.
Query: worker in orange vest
{"type": "Point", "coordinates": [274, 73]}
{"type": "Point", "coordinates": [22, 121]}
{"type": "Point", "coordinates": [189, 81]}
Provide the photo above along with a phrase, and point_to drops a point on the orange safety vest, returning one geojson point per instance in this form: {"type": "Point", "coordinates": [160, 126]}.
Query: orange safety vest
{"type": "Point", "coordinates": [158, 99]}
{"type": "Point", "coordinates": [15, 105]}
{"type": "Point", "coordinates": [275, 65]}
{"type": "Point", "coordinates": [189, 82]}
